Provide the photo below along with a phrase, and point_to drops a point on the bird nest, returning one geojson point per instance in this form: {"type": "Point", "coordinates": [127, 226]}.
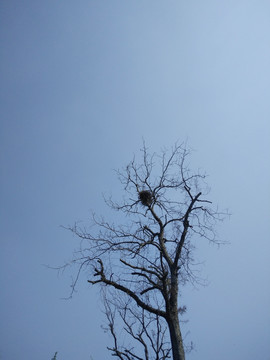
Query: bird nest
{"type": "Point", "coordinates": [145, 197]}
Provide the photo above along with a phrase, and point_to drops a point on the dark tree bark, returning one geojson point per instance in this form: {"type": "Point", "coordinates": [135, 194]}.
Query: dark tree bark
{"type": "Point", "coordinates": [147, 259]}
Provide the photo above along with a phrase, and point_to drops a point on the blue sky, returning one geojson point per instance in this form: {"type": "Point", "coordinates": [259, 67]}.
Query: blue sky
{"type": "Point", "coordinates": [81, 85]}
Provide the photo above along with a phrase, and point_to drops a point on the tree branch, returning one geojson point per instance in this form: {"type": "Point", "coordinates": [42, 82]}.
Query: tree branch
{"type": "Point", "coordinates": [125, 290]}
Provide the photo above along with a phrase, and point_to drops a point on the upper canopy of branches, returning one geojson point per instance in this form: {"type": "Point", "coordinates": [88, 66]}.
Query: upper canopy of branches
{"type": "Point", "coordinates": [159, 233]}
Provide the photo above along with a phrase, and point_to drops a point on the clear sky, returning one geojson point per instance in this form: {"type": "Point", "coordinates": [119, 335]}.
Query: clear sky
{"type": "Point", "coordinates": [81, 84]}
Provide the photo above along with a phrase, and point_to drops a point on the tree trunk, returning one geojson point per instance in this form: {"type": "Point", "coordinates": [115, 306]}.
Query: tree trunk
{"type": "Point", "coordinates": [176, 337]}
{"type": "Point", "coordinates": [173, 319]}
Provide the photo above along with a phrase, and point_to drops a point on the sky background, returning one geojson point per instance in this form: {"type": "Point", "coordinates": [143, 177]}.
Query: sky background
{"type": "Point", "coordinates": [81, 84]}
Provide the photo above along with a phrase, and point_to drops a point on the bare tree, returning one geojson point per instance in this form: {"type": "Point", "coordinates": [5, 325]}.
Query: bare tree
{"type": "Point", "coordinates": [145, 262]}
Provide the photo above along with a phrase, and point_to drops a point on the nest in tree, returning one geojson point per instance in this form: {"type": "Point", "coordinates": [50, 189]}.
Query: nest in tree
{"type": "Point", "coordinates": [145, 197]}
